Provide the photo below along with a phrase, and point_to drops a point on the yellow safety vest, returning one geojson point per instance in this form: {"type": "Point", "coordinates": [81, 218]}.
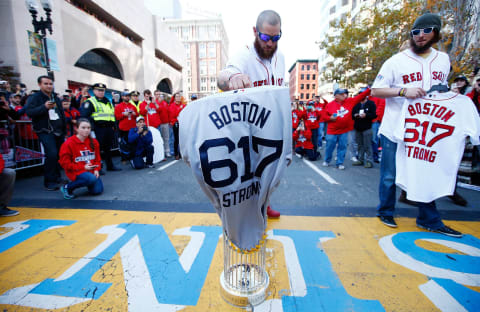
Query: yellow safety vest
{"type": "Point", "coordinates": [103, 112]}
{"type": "Point", "coordinates": [136, 105]}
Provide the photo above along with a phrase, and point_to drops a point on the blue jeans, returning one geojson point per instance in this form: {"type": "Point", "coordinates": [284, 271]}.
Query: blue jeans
{"type": "Point", "coordinates": [138, 162]}
{"type": "Point", "coordinates": [88, 179]}
{"type": "Point", "coordinates": [307, 152]}
{"type": "Point", "coordinates": [321, 130]}
{"type": "Point", "coordinates": [332, 141]}
{"type": "Point", "coordinates": [375, 139]}
{"type": "Point", "coordinates": [171, 139]}
{"type": "Point", "coordinates": [428, 215]}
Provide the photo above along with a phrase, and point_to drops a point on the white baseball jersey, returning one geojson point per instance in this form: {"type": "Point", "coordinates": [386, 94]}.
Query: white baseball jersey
{"type": "Point", "coordinates": [431, 142]}
{"type": "Point", "coordinates": [408, 70]}
{"type": "Point", "coordinates": [238, 144]}
{"type": "Point", "coordinates": [261, 72]}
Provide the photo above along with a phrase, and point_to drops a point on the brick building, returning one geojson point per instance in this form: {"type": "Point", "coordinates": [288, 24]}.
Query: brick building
{"type": "Point", "coordinates": [303, 81]}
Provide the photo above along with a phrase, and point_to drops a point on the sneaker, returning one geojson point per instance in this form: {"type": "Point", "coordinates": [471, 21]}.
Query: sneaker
{"type": "Point", "coordinates": [368, 164]}
{"type": "Point", "coordinates": [325, 164]}
{"type": "Point", "coordinates": [150, 166]}
{"type": "Point", "coordinates": [66, 193]}
{"type": "Point", "coordinates": [354, 159]}
{"type": "Point", "coordinates": [357, 163]}
{"type": "Point", "coordinates": [388, 221]}
{"type": "Point", "coordinates": [5, 212]}
{"type": "Point", "coordinates": [458, 199]}
{"type": "Point", "coordinates": [341, 167]}
{"type": "Point", "coordinates": [445, 230]}
{"type": "Point", "coordinates": [403, 199]}
{"type": "Point", "coordinates": [298, 155]}
{"type": "Point", "coordinates": [272, 213]}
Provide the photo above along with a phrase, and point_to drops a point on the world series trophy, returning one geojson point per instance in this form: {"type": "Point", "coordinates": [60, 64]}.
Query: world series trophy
{"type": "Point", "coordinates": [238, 145]}
{"type": "Point", "coordinates": [244, 280]}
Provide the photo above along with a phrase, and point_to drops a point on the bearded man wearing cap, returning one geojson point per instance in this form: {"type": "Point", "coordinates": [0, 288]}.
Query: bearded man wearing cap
{"type": "Point", "coordinates": [409, 74]}
{"type": "Point", "coordinates": [99, 110]}
{"type": "Point", "coordinates": [338, 115]}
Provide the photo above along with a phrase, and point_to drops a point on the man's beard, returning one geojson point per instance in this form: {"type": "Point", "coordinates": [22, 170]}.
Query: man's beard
{"type": "Point", "coordinates": [420, 50]}
{"type": "Point", "coordinates": [260, 52]}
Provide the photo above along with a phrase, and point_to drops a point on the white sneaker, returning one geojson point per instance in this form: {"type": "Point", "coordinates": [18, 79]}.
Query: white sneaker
{"type": "Point", "coordinates": [298, 155]}
{"type": "Point", "coordinates": [354, 158]}
{"type": "Point", "coordinates": [325, 164]}
{"type": "Point", "coordinates": [341, 167]}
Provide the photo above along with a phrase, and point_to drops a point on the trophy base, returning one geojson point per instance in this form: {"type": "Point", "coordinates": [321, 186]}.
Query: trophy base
{"type": "Point", "coordinates": [244, 297]}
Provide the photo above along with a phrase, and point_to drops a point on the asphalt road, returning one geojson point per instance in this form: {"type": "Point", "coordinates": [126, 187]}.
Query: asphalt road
{"type": "Point", "coordinates": [307, 189]}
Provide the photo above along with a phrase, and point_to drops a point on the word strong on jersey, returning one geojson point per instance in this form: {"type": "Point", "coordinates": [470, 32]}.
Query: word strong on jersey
{"type": "Point", "coordinates": [238, 144]}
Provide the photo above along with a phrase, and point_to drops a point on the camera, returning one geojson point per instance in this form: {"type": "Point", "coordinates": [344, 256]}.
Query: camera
{"type": "Point", "coordinates": [145, 128]}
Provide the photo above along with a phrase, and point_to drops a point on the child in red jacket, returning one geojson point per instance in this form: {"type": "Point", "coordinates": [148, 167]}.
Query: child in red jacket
{"type": "Point", "coordinates": [80, 158]}
{"type": "Point", "coordinates": [304, 146]}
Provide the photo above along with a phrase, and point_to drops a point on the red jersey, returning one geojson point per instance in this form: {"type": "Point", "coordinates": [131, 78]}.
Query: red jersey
{"type": "Point", "coordinates": [380, 105]}
{"type": "Point", "coordinates": [163, 111]}
{"type": "Point", "coordinates": [343, 111]}
{"type": "Point", "coordinates": [173, 111]}
{"type": "Point", "coordinates": [320, 107]}
{"type": "Point", "coordinates": [303, 139]}
{"type": "Point", "coordinates": [150, 112]}
{"type": "Point", "coordinates": [125, 123]}
{"type": "Point", "coordinates": [311, 119]}
{"type": "Point", "coordinates": [75, 154]}
{"type": "Point", "coordinates": [71, 114]}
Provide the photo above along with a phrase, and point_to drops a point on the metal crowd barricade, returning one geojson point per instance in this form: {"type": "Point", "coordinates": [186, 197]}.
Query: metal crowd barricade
{"type": "Point", "coordinates": [21, 148]}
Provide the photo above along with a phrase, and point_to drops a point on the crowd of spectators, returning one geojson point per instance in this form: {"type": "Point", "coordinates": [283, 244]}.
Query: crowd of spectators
{"type": "Point", "coordinates": [65, 125]}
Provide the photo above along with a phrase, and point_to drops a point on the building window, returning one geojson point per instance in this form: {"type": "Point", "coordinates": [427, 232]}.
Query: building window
{"type": "Point", "coordinates": [332, 10]}
{"type": "Point", "coordinates": [189, 68]}
{"type": "Point", "coordinates": [203, 84]}
{"type": "Point", "coordinates": [212, 49]}
{"type": "Point", "coordinates": [202, 50]}
{"type": "Point", "coordinates": [303, 67]}
{"type": "Point", "coordinates": [301, 96]}
{"type": "Point", "coordinates": [313, 95]}
{"type": "Point", "coordinates": [313, 76]}
{"type": "Point", "coordinates": [344, 2]}
{"type": "Point", "coordinates": [101, 62]}
{"type": "Point", "coordinates": [308, 76]}
{"type": "Point", "coordinates": [203, 67]}
{"type": "Point", "coordinates": [185, 32]}
{"type": "Point", "coordinates": [302, 76]}
{"type": "Point", "coordinates": [313, 86]}
{"type": "Point", "coordinates": [301, 86]}
{"type": "Point", "coordinates": [308, 67]}
{"type": "Point", "coordinates": [308, 86]}
{"type": "Point", "coordinates": [213, 87]}
{"type": "Point", "coordinates": [212, 67]}
{"type": "Point", "coordinates": [213, 80]}
{"type": "Point", "coordinates": [314, 66]}
{"type": "Point", "coordinates": [307, 96]}
{"type": "Point", "coordinates": [187, 49]}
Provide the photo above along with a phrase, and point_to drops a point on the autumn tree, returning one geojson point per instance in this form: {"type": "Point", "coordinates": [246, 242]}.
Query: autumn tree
{"type": "Point", "coordinates": [361, 45]}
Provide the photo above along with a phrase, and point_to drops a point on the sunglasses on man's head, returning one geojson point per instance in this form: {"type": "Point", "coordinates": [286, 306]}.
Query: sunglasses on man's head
{"type": "Point", "coordinates": [266, 37]}
{"type": "Point", "coordinates": [416, 32]}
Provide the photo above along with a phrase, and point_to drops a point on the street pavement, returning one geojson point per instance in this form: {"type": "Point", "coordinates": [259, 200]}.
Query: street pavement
{"type": "Point", "coordinates": [150, 242]}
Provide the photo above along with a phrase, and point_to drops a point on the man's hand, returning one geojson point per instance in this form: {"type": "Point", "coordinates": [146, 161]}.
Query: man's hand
{"type": "Point", "coordinates": [96, 173]}
{"type": "Point", "coordinates": [414, 93]}
{"type": "Point", "coordinates": [333, 118]}
{"type": "Point", "coordinates": [50, 104]}
{"type": "Point", "coordinates": [239, 81]}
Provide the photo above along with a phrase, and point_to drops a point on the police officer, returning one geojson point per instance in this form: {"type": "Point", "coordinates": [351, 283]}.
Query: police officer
{"type": "Point", "coordinates": [134, 99]}
{"type": "Point", "coordinates": [101, 112]}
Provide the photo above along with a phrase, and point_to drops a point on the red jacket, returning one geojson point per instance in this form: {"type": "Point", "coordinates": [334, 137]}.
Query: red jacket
{"type": "Point", "coordinates": [380, 104]}
{"type": "Point", "coordinates": [295, 118]}
{"type": "Point", "coordinates": [477, 103]}
{"type": "Point", "coordinates": [173, 111]}
{"type": "Point", "coordinates": [312, 119]}
{"type": "Point", "coordinates": [320, 107]}
{"type": "Point", "coordinates": [2, 163]}
{"type": "Point", "coordinates": [71, 114]}
{"type": "Point", "coordinates": [150, 112]}
{"type": "Point", "coordinates": [125, 123]}
{"type": "Point", "coordinates": [74, 154]}
{"type": "Point", "coordinates": [163, 111]}
{"type": "Point", "coordinates": [303, 139]}
{"type": "Point", "coordinates": [344, 121]}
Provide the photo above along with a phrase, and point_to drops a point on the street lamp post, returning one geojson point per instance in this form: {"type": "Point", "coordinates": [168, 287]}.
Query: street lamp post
{"type": "Point", "coordinates": [41, 26]}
